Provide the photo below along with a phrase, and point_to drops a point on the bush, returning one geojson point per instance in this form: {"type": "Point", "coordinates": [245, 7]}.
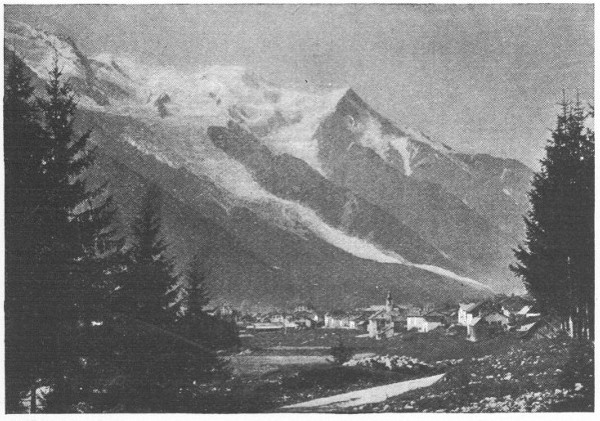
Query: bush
{"type": "Point", "coordinates": [341, 353]}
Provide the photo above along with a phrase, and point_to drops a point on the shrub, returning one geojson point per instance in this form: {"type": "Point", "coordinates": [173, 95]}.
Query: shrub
{"type": "Point", "coordinates": [341, 353]}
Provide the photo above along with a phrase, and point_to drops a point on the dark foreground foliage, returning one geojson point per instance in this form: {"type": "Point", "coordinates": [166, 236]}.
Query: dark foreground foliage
{"type": "Point", "coordinates": [556, 262]}
{"type": "Point", "coordinates": [92, 324]}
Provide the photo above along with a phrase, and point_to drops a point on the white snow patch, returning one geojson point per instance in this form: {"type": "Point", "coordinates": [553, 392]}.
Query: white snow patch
{"type": "Point", "coordinates": [217, 94]}
{"type": "Point", "coordinates": [373, 138]}
{"type": "Point", "coordinates": [40, 49]}
{"type": "Point", "coordinates": [353, 245]}
{"type": "Point", "coordinates": [438, 146]}
{"type": "Point", "coordinates": [298, 142]}
{"type": "Point", "coordinates": [401, 145]}
{"type": "Point", "coordinates": [150, 151]}
{"type": "Point", "coordinates": [306, 111]}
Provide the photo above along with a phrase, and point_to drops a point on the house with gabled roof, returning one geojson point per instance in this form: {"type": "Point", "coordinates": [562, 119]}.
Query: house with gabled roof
{"type": "Point", "coordinates": [387, 321]}
{"type": "Point", "coordinates": [476, 329]}
{"type": "Point", "coordinates": [514, 305]}
{"type": "Point", "coordinates": [467, 312]}
{"type": "Point", "coordinates": [414, 318]}
{"type": "Point", "coordinates": [541, 328]}
{"type": "Point", "coordinates": [496, 318]}
{"type": "Point", "coordinates": [529, 311]}
{"type": "Point", "coordinates": [305, 318]}
{"type": "Point", "coordinates": [427, 322]}
{"type": "Point", "coordinates": [339, 319]}
{"type": "Point", "coordinates": [486, 324]}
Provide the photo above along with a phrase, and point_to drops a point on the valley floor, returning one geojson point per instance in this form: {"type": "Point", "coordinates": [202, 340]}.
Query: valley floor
{"type": "Point", "coordinates": [538, 376]}
{"type": "Point", "coordinates": [504, 374]}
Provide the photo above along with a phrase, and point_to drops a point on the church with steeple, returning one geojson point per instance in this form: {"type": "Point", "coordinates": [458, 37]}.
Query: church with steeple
{"type": "Point", "coordinates": [388, 321]}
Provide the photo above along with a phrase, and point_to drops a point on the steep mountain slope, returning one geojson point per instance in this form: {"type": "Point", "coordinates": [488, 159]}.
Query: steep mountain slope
{"type": "Point", "coordinates": [293, 179]}
{"type": "Point", "coordinates": [256, 262]}
{"type": "Point", "coordinates": [297, 195]}
{"type": "Point", "coordinates": [443, 195]}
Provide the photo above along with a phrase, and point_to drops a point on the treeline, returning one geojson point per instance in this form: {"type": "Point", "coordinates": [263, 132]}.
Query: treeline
{"type": "Point", "coordinates": [556, 262]}
{"type": "Point", "coordinates": [99, 319]}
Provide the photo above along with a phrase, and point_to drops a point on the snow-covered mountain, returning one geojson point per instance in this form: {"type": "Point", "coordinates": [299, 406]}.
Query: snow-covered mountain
{"type": "Point", "coordinates": [304, 195]}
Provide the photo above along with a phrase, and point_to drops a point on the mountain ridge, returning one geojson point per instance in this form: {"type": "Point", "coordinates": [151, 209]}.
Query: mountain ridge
{"type": "Point", "coordinates": [166, 116]}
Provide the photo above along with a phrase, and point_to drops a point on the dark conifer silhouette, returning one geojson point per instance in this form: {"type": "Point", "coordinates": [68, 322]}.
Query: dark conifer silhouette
{"type": "Point", "coordinates": [557, 261]}
{"type": "Point", "coordinates": [23, 151]}
{"type": "Point", "coordinates": [197, 290]}
{"type": "Point", "coordinates": [79, 242]}
{"type": "Point", "coordinates": [59, 240]}
{"type": "Point", "coordinates": [150, 288]}
{"type": "Point", "coordinates": [212, 332]}
{"type": "Point", "coordinates": [155, 360]}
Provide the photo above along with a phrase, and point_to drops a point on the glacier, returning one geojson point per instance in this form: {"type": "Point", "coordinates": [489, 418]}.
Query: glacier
{"type": "Point", "coordinates": [285, 120]}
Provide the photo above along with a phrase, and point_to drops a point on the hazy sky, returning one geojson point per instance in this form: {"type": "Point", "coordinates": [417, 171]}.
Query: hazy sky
{"type": "Point", "coordinates": [479, 78]}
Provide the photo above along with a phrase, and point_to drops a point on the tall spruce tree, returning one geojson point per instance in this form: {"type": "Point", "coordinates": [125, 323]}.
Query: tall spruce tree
{"type": "Point", "coordinates": [212, 332]}
{"type": "Point", "coordinates": [23, 151]}
{"type": "Point", "coordinates": [78, 240]}
{"type": "Point", "coordinates": [557, 261]}
{"type": "Point", "coordinates": [155, 361]}
{"type": "Point", "coordinates": [150, 287]}
{"type": "Point", "coordinates": [58, 233]}
{"type": "Point", "coordinates": [197, 291]}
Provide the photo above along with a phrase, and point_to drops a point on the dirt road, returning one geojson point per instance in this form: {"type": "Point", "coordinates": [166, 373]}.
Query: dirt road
{"type": "Point", "coordinates": [361, 397]}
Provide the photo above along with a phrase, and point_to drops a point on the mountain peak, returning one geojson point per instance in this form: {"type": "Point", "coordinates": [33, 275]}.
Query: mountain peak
{"type": "Point", "coordinates": [320, 178]}
{"type": "Point", "coordinates": [40, 49]}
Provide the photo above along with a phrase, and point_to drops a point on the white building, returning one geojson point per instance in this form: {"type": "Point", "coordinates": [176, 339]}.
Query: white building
{"type": "Point", "coordinates": [386, 321]}
{"type": "Point", "coordinates": [468, 312]}
{"type": "Point", "coordinates": [426, 322]}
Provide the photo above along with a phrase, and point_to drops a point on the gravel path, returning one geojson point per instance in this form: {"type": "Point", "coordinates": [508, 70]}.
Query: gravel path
{"type": "Point", "coordinates": [361, 397]}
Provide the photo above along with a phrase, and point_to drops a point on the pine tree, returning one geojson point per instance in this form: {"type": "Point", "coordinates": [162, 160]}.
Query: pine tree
{"type": "Point", "coordinates": [557, 261]}
{"type": "Point", "coordinates": [197, 291]}
{"type": "Point", "coordinates": [63, 229]}
{"type": "Point", "coordinates": [150, 288]}
{"type": "Point", "coordinates": [212, 332]}
{"type": "Point", "coordinates": [155, 364]}
{"type": "Point", "coordinates": [79, 242]}
{"type": "Point", "coordinates": [23, 150]}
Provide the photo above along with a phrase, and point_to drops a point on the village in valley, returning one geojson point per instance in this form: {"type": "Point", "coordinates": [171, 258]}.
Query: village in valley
{"type": "Point", "coordinates": [299, 208]}
{"type": "Point", "coordinates": [493, 355]}
{"type": "Point", "coordinates": [472, 321]}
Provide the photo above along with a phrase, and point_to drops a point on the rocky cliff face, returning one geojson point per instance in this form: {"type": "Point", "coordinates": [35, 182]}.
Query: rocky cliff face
{"type": "Point", "coordinates": [470, 207]}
